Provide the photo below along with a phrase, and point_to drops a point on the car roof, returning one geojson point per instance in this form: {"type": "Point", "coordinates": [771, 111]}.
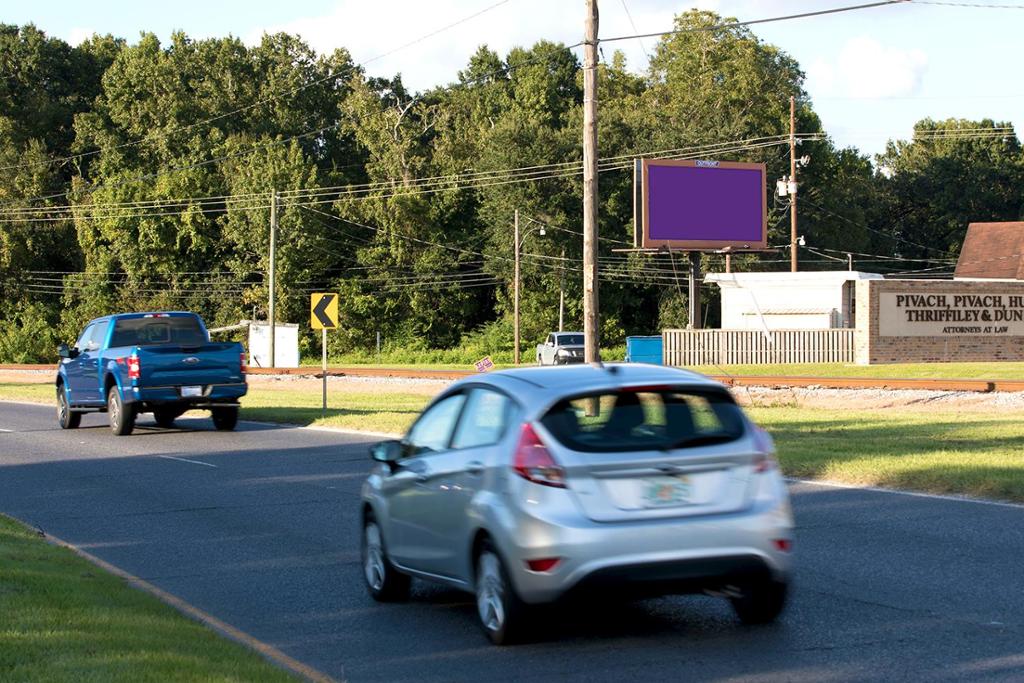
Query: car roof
{"type": "Point", "coordinates": [537, 387]}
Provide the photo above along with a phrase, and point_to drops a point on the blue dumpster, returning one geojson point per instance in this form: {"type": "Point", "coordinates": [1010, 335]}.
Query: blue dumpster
{"type": "Point", "coordinates": [644, 350]}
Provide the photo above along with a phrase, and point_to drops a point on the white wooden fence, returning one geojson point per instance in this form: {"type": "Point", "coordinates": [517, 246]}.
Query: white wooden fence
{"type": "Point", "coordinates": [752, 347]}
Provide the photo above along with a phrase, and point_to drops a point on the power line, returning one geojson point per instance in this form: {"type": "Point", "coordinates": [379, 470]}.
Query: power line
{"type": "Point", "coordinates": [752, 22]}
{"type": "Point", "coordinates": [317, 195]}
{"type": "Point", "coordinates": [977, 5]}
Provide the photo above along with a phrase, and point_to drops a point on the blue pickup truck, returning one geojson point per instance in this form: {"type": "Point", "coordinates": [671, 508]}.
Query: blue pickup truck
{"type": "Point", "coordinates": [160, 363]}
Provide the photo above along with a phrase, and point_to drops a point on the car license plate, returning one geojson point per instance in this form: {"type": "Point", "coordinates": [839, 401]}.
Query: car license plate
{"type": "Point", "coordinates": [191, 392]}
{"type": "Point", "coordinates": [666, 491]}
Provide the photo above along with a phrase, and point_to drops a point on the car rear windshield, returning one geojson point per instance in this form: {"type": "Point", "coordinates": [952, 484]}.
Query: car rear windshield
{"type": "Point", "coordinates": [570, 339]}
{"type": "Point", "coordinates": [182, 330]}
{"type": "Point", "coordinates": [645, 419]}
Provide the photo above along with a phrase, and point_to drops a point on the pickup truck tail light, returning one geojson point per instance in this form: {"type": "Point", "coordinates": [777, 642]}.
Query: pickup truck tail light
{"type": "Point", "coordinates": [242, 363]}
{"type": "Point", "coordinates": [134, 367]}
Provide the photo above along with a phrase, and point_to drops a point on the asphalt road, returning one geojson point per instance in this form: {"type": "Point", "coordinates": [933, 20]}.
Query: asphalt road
{"type": "Point", "coordinates": [260, 529]}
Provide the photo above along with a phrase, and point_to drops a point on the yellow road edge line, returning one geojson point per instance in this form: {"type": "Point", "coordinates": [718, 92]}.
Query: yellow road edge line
{"type": "Point", "coordinates": [227, 630]}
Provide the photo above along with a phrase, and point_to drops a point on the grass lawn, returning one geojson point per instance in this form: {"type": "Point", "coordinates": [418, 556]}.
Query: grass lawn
{"type": "Point", "coordinates": [972, 453]}
{"type": "Point", "coordinates": [367, 411]}
{"type": "Point", "coordinates": [976, 454]}
{"type": "Point", "coordinates": [65, 620]}
{"type": "Point", "coordinates": [1009, 370]}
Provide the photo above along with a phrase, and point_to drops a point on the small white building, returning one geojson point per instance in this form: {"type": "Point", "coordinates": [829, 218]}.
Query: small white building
{"type": "Point", "coordinates": [809, 300]}
{"type": "Point", "coordinates": [286, 345]}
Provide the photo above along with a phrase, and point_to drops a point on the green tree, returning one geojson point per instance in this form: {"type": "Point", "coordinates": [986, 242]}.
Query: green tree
{"type": "Point", "coordinates": [952, 173]}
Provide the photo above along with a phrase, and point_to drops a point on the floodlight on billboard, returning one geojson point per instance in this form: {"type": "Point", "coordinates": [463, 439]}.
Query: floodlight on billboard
{"type": "Point", "coordinates": [701, 205]}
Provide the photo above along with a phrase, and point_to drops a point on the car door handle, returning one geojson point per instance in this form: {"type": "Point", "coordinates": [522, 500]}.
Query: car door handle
{"type": "Point", "coordinates": [475, 467]}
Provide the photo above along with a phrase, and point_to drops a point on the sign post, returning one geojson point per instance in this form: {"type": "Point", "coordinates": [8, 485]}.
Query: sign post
{"type": "Point", "coordinates": [323, 316]}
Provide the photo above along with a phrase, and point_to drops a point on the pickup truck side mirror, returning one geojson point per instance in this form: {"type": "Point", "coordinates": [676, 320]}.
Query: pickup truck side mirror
{"type": "Point", "coordinates": [65, 352]}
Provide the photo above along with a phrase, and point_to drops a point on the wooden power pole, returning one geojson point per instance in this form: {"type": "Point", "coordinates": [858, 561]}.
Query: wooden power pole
{"type": "Point", "coordinates": [515, 294]}
{"type": "Point", "coordinates": [272, 313]}
{"type": "Point", "coordinates": [591, 351]}
{"type": "Point", "coordinates": [792, 183]}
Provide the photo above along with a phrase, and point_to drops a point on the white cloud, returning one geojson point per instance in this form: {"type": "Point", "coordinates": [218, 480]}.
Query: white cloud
{"type": "Point", "coordinates": [79, 35]}
{"type": "Point", "coordinates": [867, 69]}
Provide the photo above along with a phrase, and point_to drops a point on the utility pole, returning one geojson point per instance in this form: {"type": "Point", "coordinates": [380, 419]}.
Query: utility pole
{"type": "Point", "coordinates": [694, 281]}
{"type": "Point", "coordinates": [792, 183]}
{"type": "Point", "coordinates": [273, 278]}
{"type": "Point", "coordinates": [561, 296]}
{"type": "Point", "coordinates": [515, 295]}
{"type": "Point", "coordinates": [590, 316]}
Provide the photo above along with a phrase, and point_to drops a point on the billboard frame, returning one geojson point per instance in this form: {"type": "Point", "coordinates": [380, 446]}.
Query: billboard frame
{"type": "Point", "coordinates": [642, 193]}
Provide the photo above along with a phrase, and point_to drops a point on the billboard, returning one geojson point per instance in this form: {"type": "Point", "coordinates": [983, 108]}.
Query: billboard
{"type": "Point", "coordinates": [702, 205]}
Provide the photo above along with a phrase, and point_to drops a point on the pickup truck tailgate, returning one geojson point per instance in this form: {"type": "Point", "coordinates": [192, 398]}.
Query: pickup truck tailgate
{"type": "Point", "coordinates": [189, 365]}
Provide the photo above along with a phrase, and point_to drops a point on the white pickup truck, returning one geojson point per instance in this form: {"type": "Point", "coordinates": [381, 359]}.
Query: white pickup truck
{"type": "Point", "coordinates": [561, 348]}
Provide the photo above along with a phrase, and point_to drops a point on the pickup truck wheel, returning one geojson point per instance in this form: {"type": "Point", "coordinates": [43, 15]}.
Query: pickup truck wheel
{"type": "Point", "coordinates": [225, 419]}
{"type": "Point", "coordinates": [122, 417]}
{"type": "Point", "coordinates": [65, 417]}
{"type": "Point", "coordinates": [165, 417]}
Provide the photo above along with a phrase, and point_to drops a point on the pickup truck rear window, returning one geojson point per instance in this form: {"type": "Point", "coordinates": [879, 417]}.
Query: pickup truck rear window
{"type": "Point", "coordinates": [570, 339]}
{"type": "Point", "coordinates": [180, 330]}
{"type": "Point", "coordinates": [645, 419]}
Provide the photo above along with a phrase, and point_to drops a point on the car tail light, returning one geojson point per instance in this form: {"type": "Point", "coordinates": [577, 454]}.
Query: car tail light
{"type": "Point", "coordinates": [765, 458]}
{"type": "Point", "coordinates": [242, 364]}
{"type": "Point", "coordinates": [783, 544]}
{"type": "Point", "coordinates": [533, 462]}
{"type": "Point", "coordinates": [543, 565]}
{"type": "Point", "coordinates": [134, 367]}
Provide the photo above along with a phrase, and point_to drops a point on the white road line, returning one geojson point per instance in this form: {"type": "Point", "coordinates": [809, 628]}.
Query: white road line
{"type": "Point", "coordinates": [194, 462]}
{"type": "Point", "coordinates": [9, 431]}
{"type": "Point", "coordinates": [915, 494]}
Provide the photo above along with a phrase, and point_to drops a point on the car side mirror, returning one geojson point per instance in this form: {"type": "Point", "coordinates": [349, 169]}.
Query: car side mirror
{"type": "Point", "coordinates": [388, 452]}
{"type": "Point", "coordinates": [66, 352]}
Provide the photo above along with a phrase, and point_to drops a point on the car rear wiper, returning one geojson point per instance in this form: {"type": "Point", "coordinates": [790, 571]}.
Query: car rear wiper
{"type": "Point", "coordinates": [700, 440]}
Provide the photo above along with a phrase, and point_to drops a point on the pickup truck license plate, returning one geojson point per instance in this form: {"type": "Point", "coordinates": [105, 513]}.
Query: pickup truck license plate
{"type": "Point", "coordinates": [666, 491]}
{"type": "Point", "coordinates": [191, 392]}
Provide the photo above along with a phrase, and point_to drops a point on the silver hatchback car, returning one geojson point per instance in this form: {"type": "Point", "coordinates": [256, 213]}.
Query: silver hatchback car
{"type": "Point", "coordinates": [526, 486]}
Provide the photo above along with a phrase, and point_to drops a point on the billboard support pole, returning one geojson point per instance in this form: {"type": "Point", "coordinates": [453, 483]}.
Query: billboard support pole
{"type": "Point", "coordinates": [590, 316]}
{"type": "Point", "coordinates": [694, 298]}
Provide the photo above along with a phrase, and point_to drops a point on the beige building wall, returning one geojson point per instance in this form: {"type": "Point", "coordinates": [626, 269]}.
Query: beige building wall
{"type": "Point", "coordinates": [929, 321]}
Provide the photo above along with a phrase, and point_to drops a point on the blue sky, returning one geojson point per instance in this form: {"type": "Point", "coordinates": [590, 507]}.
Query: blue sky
{"type": "Point", "coordinates": [871, 74]}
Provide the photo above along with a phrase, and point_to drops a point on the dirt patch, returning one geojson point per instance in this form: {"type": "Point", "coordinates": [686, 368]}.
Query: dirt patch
{"type": "Point", "coordinates": [908, 400]}
{"type": "Point", "coordinates": [28, 376]}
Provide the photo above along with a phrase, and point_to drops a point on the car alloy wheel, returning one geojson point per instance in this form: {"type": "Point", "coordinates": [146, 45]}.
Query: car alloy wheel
{"type": "Point", "coordinates": [114, 408]}
{"type": "Point", "coordinates": [65, 416]}
{"type": "Point", "coordinates": [373, 562]}
{"type": "Point", "coordinates": [490, 592]}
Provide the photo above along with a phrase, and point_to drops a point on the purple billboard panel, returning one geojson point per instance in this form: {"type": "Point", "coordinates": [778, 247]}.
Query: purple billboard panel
{"type": "Point", "coordinates": [703, 205]}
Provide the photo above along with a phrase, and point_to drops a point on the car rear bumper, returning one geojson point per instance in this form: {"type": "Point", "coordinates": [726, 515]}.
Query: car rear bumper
{"type": "Point", "coordinates": [212, 394]}
{"type": "Point", "coordinates": [685, 555]}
